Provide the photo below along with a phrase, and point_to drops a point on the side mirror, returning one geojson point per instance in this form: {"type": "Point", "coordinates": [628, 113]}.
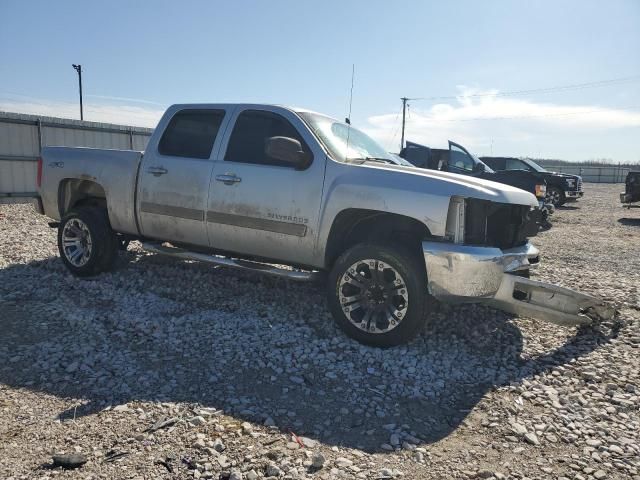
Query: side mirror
{"type": "Point", "coordinates": [288, 150]}
{"type": "Point", "coordinates": [478, 167]}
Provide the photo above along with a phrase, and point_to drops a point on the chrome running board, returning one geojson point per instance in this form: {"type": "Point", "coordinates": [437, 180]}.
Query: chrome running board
{"type": "Point", "coordinates": [551, 303]}
{"type": "Point", "coordinates": [297, 275]}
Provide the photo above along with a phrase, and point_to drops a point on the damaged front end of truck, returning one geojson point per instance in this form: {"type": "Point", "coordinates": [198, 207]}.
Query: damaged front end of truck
{"type": "Point", "coordinates": [487, 258]}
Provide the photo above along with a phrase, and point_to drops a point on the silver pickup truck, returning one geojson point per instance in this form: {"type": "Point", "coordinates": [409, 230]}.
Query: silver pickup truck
{"type": "Point", "coordinates": [294, 193]}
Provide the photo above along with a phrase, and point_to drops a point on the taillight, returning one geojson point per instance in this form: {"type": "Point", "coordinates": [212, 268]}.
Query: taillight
{"type": "Point", "coordinates": [39, 177]}
{"type": "Point", "coordinates": [541, 190]}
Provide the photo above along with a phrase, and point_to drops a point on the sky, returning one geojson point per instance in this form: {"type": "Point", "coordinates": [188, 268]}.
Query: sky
{"type": "Point", "coordinates": [460, 59]}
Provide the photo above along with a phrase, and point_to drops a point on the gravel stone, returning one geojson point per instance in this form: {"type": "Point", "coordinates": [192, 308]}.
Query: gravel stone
{"type": "Point", "coordinates": [273, 470]}
{"type": "Point", "coordinates": [318, 460]}
{"type": "Point", "coordinates": [532, 438]}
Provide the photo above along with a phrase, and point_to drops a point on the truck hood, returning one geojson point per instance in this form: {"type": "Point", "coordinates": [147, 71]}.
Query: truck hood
{"type": "Point", "coordinates": [564, 175]}
{"type": "Point", "coordinates": [454, 184]}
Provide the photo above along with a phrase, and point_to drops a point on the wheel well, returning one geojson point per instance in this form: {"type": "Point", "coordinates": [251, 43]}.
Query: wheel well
{"type": "Point", "coordinates": [75, 192]}
{"type": "Point", "coordinates": [356, 225]}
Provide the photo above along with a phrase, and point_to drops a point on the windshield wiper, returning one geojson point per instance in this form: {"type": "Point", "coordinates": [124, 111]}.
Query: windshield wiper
{"type": "Point", "coordinates": [361, 160]}
{"type": "Point", "coordinates": [379, 159]}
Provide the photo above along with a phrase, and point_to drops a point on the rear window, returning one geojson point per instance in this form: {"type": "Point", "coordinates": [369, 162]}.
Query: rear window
{"type": "Point", "coordinates": [191, 133]}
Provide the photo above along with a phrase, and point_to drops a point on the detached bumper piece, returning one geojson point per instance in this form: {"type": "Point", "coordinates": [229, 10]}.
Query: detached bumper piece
{"type": "Point", "coordinates": [468, 274]}
{"type": "Point", "coordinates": [548, 302]}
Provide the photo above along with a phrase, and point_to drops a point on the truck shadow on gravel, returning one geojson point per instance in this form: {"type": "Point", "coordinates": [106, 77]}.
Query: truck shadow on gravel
{"type": "Point", "coordinates": [165, 330]}
{"type": "Point", "coordinates": [632, 222]}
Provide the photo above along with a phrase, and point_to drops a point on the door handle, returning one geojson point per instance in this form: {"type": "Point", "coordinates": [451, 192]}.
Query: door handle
{"type": "Point", "coordinates": [157, 171]}
{"type": "Point", "coordinates": [57, 164]}
{"type": "Point", "coordinates": [228, 179]}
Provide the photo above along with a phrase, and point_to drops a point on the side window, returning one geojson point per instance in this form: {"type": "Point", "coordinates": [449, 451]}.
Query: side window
{"type": "Point", "coordinates": [515, 164]}
{"type": "Point", "coordinates": [250, 134]}
{"type": "Point", "coordinates": [191, 133]}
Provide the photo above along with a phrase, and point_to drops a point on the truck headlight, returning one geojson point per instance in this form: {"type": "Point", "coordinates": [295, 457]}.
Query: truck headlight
{"type": "Point", "coordinates": [571, 182]}
{"type": "Point", "coordinates": [541, 190]}
{"type": "Point", "coordinates": [455, 220]}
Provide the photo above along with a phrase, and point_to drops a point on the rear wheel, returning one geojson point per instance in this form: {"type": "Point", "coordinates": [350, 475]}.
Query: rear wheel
{"type": "Point", "coordinates": [86, 242]}
{"type": "Point", "coordinates": [555, 196]}
{"type": "Point", "coordinates": [377, 294]}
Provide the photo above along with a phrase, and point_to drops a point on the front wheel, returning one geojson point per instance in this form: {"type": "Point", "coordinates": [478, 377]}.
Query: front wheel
{"type": "Point", "coordinates": [555, 196]}
{"type": "Point", "coordinates": [86, 242]}
{"type": "Point", "coordinates": [378, 294]}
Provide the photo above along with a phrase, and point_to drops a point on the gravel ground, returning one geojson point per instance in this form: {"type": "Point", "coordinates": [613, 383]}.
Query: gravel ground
{"type": "Point", "coordinates": [173, 369]}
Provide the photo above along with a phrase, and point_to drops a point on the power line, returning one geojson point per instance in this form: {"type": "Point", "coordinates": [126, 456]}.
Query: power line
{"type": "Point", "coordinates": [561, 88]}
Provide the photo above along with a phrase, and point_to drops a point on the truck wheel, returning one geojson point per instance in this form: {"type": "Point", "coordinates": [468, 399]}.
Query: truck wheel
{"type": "Point", "coordinates": [378, 294]}
{"type": "Point", "coordinates": [555, 196]}
{"type": "Point", "coordinates": [86, 242]}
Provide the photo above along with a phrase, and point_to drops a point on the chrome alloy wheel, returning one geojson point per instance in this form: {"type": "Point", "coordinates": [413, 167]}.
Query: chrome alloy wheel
{"type": "Point", "coordinates": [373, 296]}
{"type": "Point", "coordinates": [76, 242]}
{"type": "Point", "coordinates": [553, 197]}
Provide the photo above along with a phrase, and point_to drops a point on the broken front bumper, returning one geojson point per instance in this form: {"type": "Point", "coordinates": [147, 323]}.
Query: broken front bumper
{"type": "Point", "coordinates": [462, 273]}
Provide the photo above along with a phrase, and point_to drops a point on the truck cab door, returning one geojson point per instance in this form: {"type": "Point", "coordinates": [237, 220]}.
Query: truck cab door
{"type": "Point", "coordinates": [460, 160]}
{"type": "Point", "coordinates": [258, 205]}
{"type": "Point", "coordinates": [173, 181]}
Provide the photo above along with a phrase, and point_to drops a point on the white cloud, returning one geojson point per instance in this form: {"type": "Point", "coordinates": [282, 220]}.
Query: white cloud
{"type": "Point", "coordinates": [515, 126]}
{"type": "Point", "coordinates": [122, 114]}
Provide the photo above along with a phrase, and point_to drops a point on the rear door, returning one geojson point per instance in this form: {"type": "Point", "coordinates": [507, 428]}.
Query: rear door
{"type": "Point", "coordinates": [258, 205]}
{"type": "Point", "coordinates": [173, 183]}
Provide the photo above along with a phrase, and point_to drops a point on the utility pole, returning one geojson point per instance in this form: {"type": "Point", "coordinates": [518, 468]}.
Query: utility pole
{"type": "Point", "coordinates": [404, 111]}
{"type": "Point", "coordinates": [78, 68]}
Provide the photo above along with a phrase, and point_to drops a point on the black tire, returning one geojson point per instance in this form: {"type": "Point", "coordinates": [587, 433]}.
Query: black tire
{"type": "Point", "coordinates": [103, 252]}
{"type": "Point", "coordinates": [413, 276]}
{"type": "Point", "coordinates": [555, 196]}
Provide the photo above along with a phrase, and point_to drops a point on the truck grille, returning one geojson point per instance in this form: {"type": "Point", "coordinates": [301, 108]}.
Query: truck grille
{"type": "Point", "coordinates": [499, 225]}
{"type": "Point", "coordinates": [579, 184]}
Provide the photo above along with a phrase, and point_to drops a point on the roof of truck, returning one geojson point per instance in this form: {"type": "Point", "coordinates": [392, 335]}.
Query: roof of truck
{"type": "Point", "coordinates": [236, 104]}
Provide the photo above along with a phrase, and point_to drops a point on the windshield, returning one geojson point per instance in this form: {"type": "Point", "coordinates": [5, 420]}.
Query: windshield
{"type": "Point", "coordinates": [344, 142]}
{"type": "Point", "coordinates": [534, 165]}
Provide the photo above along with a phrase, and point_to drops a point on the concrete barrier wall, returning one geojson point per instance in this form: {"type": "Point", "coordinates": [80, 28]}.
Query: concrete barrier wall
{"type": "Point", "coordinates": [23, 136]}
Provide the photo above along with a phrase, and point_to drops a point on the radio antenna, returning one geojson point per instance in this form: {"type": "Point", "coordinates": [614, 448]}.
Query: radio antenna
{"type": "Point", "coordinates": [348, 119]}
{"type": "Point", "coordinates": [353, 73]}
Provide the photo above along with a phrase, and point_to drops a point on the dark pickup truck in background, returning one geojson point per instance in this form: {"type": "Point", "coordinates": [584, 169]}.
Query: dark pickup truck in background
{"type": "Point", "coordinates": [457, 159]}
{"type": "Point", "coordinates": [561, 187]}
{"type": "Point", "coordinates": [631, 188]}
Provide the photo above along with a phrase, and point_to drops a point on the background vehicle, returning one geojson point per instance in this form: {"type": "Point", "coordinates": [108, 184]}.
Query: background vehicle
{"type": "Point", "coordinates": [258, 186]}
{"type": "Point", "coordinates": [632, 188]}
{"type": "Point", "coordinates": [457, 159]}
{"type": "Point", "coordinates": [561, 187]}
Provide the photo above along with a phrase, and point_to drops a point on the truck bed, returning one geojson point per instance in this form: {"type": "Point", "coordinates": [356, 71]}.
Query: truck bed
{"type": "Point", "coordinates": [115, 170]}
